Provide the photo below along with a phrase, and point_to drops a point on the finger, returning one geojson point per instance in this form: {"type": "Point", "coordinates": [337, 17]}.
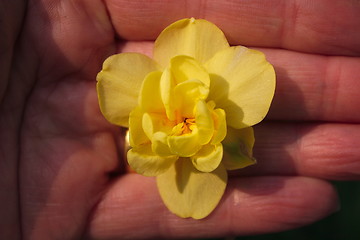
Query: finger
{"type": "Point", "coordinates": [313, 87]}
{"type": "Point", "coordinates": [329, 151]}
{"type": "Point", "coordinates": [71, 38]}
{"type": "Point", "coordinates": [132, 209]}
{"type": "Point", "coordinates": [308, 87]}
{"type": "Point", "coordinates": [323, 26]}
{"type": "Point", "coordinates": [68, 151]}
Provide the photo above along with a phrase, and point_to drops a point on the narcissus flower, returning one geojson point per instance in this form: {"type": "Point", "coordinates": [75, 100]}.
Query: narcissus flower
{"type": "Point", "coordinates": [189, 111]}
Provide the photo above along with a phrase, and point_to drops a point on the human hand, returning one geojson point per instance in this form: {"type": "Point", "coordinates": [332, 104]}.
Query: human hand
{"type": "Point", "coordinates": [67, 158]}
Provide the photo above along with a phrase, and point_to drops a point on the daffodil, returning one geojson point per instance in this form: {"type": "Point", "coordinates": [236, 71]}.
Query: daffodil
{"type": "Point", "coordinates": [189, 111]}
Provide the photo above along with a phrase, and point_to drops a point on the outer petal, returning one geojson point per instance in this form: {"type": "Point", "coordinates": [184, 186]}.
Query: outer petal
{"type": "Point", "coordinates": [243, 84]}
{"type": "Point", "coordinates": [188, 192]}
{"type": "Point", "coordinates": [199, 39]}
{"type": "Point", "coordinates": [146, 163]}
{"type": "Point", "coordinates": [238, 146]}
{"type": "Point", "coordinates": [119, 83]}
{"type": "Point", "coordinates": [208, 158]}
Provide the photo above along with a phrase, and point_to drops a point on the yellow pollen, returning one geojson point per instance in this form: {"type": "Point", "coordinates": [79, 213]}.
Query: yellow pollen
{"type": "Point", "coordinates": [187, 126]}
{"type": "Point", "coordinates": [184, 127]}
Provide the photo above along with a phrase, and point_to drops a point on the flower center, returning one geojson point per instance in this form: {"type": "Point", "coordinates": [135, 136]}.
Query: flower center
{"type": "Point", "coordinates": [188, 125]}
{"type": "Point", "coordinates": [184, 127]}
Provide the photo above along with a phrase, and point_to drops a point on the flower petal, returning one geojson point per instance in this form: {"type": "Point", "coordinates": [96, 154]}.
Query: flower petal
{"type": "Point", "coordinates": [220, 128]}
{"type": "Point", "coordinates": [208, 158]}
{"type": "Point", "coordinates": [146, 163]}
{"type": "Point", "coordinates": [160, 144]}
{"type": "Point", "coordinates": [118, 85]}
{"type": "Point", "coordinates": [136, 133]}
{"type": "Point", "coordinates": [187, 94]}
{"type": "Point", "coordinates": [204, 122]}
{"type": "Point", "coordinates": [167, 84]}
{"type": "Point", "coordinates": [154, 122]}
{"type": "Point", "coordinates": [199, 39]}
{"type": "Point", "coordinates": [150, 98]}
{"type": "Point", "coordinates": [187, 68]}
{"type": "Point", "coordinates": [188, 192]}
{"type": "Point", "coordinates": [185, 145]}
{"type": "Point", "coordinates": [238, 146]}
{"type": "Point", "coordinates": [242, 83]}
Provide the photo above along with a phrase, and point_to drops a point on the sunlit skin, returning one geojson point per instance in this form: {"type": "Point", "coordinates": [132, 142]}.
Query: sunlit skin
{"type": "Point", "coordinates": [61, 171]}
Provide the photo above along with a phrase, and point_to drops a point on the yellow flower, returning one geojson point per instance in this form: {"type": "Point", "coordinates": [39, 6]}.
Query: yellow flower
{"type": "Point", "coordinates": [189, 111]}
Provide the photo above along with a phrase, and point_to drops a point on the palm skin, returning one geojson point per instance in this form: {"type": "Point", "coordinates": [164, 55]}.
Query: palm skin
{"type": "Point", "coordinates": [61, 163]}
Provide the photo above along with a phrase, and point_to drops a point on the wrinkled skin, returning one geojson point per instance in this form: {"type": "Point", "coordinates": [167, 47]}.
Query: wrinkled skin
{"type": "Point", "coordinates": [61, 168]}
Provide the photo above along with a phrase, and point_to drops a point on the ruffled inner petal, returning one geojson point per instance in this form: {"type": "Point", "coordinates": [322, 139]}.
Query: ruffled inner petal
{"type": "Point", "coordinates": [146, 163]}
{"type": "Point", "coordinates": [136, 133]}
{"type": "Point", "coordinates": [160, 144]}
{"type": "Point", "coordinates": [167, 85]}
{"type": "Point", "coordinates": [208, 158]}
{"type": "Point", "coordinates": [150, 96]}
{"type": "Point", "coordinates": [154, 122]}
{"type": "Point", "coordinates": [185, 145]}
{"type": "Point", "coordinates": [187, 95]}
{"type": "Point", "coordinates": [204, 122]}
{"type": "Point", "coordinates": [220, 127]}
{"type": "Point", "coordinates": [186, 68]}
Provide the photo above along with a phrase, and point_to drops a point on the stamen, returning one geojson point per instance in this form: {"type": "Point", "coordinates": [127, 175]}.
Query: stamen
{"type": "Point", "coordinates": [184, 127]}
{"type": "Point", "coordinates": [188, 125]}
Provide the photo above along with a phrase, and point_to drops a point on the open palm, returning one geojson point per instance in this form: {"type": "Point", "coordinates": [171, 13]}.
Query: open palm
{"type": "Point", "coordinates": [61, 164]}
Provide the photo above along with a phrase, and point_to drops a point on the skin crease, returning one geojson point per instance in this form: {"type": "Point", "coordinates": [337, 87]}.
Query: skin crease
{"type": "Point", "coordinates": [61, 170]}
